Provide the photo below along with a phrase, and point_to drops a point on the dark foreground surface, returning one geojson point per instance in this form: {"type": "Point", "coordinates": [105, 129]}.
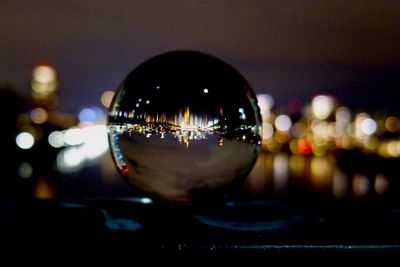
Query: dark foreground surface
{"type": "Point", "coordinates": [260, 227]}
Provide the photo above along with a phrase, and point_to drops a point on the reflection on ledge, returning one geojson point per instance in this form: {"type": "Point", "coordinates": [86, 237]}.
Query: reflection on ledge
{"type": "Point", "coordinates": [243, 226]}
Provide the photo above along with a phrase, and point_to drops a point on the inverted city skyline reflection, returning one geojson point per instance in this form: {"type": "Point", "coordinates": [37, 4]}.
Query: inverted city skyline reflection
{"type": "Point", "coordinates": [184, 126]}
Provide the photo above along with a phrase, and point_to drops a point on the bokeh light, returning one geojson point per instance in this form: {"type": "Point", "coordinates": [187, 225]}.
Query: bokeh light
{"type": "Point", "coordinates": [44, 74]}
{"type": "Point", "coordinates": [39, 115]}
{"type": "Point", "coordinates": [25, 170]}
{"type": "Point", "coordinates": [25, 140]}
{"type": "Point", "coordinates": [283, 123]}
{"type": "Point", "coordinates": [322, 106]}
{"type": "Point", "coordinates": [56, 139]}
{"type": "Point", "coordinates": [106, 98]}
{"type": "Point", "coordinates": [73, 136]}
{"type": "Point", "coordinates": [70, 159]}
{"type": "Point", "coordinates": [368, 126]}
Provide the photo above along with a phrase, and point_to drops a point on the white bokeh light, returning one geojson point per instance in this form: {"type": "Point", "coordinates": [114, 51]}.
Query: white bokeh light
{"type": "Point", "coordinates": [322, 106]}
{"type": "Point", "coordinates": [267, 130]}
{"type": "Point", "coordinates": [73, 136]}
{"type": "Point", "coordinates": [44, 74]}
{"type": "Point", "coordinates": [265, 102]}
{"type": "Point", "coordinates": [70, 159]}
{"type": "Point", "coordinates": [95, 141]}
{"type": "Point", "coordinates": [283, 123]}
{"type": "Point", "coordinates": [25, 140]}
{"type": "Point", "coordinates": [368, 126]}
{"type": "Point", "coordinates": [56, 139]}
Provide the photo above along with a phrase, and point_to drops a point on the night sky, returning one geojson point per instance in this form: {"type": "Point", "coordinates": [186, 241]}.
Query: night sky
{"type": "Point", "coordinates": [289, 49]}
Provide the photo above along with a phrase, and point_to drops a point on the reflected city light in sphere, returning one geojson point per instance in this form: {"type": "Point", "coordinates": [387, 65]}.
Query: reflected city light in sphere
{"type": "Point", "coordinates": [184, 125]}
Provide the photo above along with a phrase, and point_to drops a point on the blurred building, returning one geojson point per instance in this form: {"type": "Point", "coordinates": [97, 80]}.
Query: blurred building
{"type": "Point", "coordinates": [11, 106]}
{"type": "Point", "coordinates": [29, 123]}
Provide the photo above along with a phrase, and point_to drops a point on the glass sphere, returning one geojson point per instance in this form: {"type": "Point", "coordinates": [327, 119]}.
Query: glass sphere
{"type": "Point", "coordinates": [184, 125]}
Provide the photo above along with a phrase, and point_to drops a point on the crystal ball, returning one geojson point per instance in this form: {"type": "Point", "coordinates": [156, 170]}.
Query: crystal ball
{"type": "Point", "coordinates": [183, 126]}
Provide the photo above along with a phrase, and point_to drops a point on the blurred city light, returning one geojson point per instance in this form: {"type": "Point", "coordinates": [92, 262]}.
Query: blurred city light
{"type": "Point", "coordinates": [25, 170]}
{"type": "Point", "coordinates": [39, 115]}
{"type": "Point", "coordinates": [283, 123]}
{"type": "Point", "coordinates": [44, 189]}
{"type": "Point", "coordinates": [95, 141]}
{"type": "Point", "coordinates": [44, 82]}
{"type": "Point", "coordinates": [361, 185]}
{"type": "Point", "coordinates": [146, 200]}
{"type": "Point", "coordinates": [281, 172]}
{"type": "Point", "coordinates": [321, 172]}
{"type": "Point", "coordinates": [56, 139]}
{"type": "Point", "coordinates": [299, 145]}
{"type": "Point", "coordinates": [339, 183]}
{"type": "Point", "coordinates": [44, 74]}
{"type": "Point", "coordinates": [91, 115]}
{"type": "Point", "coordinates": [106, 98]}
{"type": "Point", "coordinates": [267, 131]}
{"type": "Point", "coordinates": [25, 140]}
{"type": "Point", "coordinates": [392, 124]}
{"type": "Point", "coordinates": [322, 106]}
{"type": "Point", "coordinates": [265, 102]}
{"type": "Point", "coordinates": [73, 136]}
{"type": "Point", "coordinates": [307, 147]}
{"type": "Point", "coordinates": [368, 126]}
{"type": "Point", "coordinates": [381, 184]}
{"type": "Point", "coordinates": [70, 159]}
